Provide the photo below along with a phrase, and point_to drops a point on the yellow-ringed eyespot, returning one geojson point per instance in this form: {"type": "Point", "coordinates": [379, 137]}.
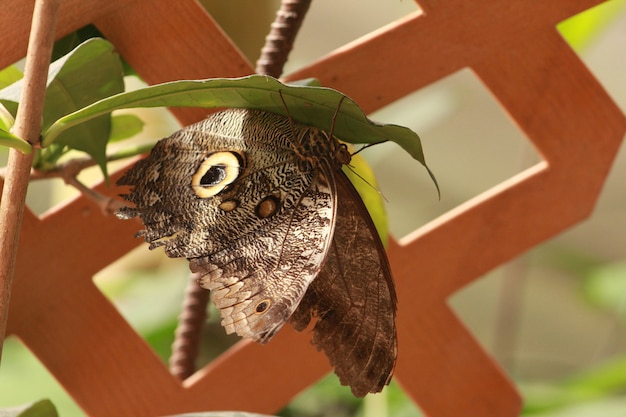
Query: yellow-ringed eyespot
{"type": "Point", "coordinates": [216, 172]}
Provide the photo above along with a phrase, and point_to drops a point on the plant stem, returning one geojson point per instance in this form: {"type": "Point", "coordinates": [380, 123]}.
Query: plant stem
{"type": "Point", "coordinates": [107, 205]}
{"type": "Point", "coordinates": [72, 167]}
{"type": "Point", "coordinates": [28, 127]}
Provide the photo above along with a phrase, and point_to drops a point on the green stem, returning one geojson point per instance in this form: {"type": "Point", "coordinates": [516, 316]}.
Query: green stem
{"type": "Point", "coordinates": [27, 126]}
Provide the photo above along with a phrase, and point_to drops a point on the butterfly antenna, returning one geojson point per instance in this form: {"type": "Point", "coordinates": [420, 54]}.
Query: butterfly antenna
{"type": "Point", "coordinates": [334, 119]}
{"type": "Point", "coordinates": [380, 193]}
{"type": "Point", "coordinates": [291, 126]}
{"type": "Point", "coordinates": [367, 146]}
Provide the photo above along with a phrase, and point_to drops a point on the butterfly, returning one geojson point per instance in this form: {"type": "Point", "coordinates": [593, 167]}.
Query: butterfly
{"type": "Point", "coordinates": [261, 208]}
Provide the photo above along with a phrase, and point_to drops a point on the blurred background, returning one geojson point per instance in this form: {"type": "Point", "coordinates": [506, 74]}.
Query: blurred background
{"type": "Point", "coordinates": [554, 318]}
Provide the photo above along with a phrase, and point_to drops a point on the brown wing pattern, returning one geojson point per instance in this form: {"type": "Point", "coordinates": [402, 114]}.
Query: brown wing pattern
{"type": "Point", "coordinates": [270, 267]}
{"type": "Point", "coordinates": [259, 239]}
{"type": "Point", "coordinates": [253, 202]}
{"type": "Point", "coordinates": [354, 300]}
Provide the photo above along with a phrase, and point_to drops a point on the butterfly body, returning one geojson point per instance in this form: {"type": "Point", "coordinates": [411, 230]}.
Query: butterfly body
{"type": "Point", "coordinates": [252, 201]}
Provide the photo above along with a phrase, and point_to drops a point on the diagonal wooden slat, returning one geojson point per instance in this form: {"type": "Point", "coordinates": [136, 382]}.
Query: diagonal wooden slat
{"type": "Point", "coordinates": [423, 48]}
{"type": "Point", "coordinates": [16, 15]}
{"type": "Point", "coordinates": [513, 48]}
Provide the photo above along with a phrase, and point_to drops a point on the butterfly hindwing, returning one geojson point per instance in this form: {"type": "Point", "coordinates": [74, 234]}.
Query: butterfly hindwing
{"type": "Point", "coordinates": [353, 299]}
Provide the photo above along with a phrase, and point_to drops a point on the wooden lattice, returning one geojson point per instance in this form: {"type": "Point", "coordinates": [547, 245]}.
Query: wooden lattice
{"type": "Point", "coordinates": [511, 45]}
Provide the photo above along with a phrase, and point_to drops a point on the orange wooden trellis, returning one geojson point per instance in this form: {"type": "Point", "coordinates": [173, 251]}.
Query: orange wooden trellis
{"type": "Point", "coordinates": [511, 45]}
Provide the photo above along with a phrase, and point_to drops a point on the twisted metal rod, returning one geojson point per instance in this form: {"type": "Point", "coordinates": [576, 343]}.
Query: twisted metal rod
{"type": "Point", "coordinates": [279, 41]}
{"type": "Point", "coordinates": [189, 330]}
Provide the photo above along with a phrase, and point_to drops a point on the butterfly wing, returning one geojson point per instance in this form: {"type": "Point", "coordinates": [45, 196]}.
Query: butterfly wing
{"type": "Point", "coordinates": [259, 278]}
{"type": "Point", "coordinates": [256, 220]}
{"type": "Point", "coordinates": [258, 232]}
{"type": "Point", "coordinates": [354, 300]}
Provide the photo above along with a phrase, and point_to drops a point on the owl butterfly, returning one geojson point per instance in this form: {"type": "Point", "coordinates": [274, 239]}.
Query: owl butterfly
{"type": "Point", "coordinates": [260, 207]}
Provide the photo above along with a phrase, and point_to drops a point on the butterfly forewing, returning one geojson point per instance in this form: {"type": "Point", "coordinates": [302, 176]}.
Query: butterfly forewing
{"type": "Point", "coordinates": [260, 239]}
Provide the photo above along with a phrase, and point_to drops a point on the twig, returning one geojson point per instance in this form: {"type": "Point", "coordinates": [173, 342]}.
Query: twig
{"type": "Point", "coordinates": [68, 171]}
{"type": "Point", "coordinates": [27, 126]}
{"type": "Point", "coordinates": [108, 205]}
{"type": "Point", "coordinates": [274, 54]}
{"type": "Point", "coordinates": [75, 166]}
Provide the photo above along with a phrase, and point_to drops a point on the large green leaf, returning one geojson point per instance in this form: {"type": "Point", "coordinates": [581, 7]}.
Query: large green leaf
{"type": "Point", "coordinates": [124, 126]}
{"type": "Point", "coordinates": [310, 105]}
{"type": "Point", "coordinates": [89, 73]}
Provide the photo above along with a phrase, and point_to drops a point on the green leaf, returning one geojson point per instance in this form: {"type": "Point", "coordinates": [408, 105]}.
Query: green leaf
{"type": "Point", "coordinates": [9, 75]}
{"type": "Point", "coordinates": [310, 105]}
{"type": "Point", "coordinates": [6, 118]}
{"type": "Point", "coordinates": [42, 408]}
{"type": "Point", "coordinates": [66, 44]}
{"type": "Point", "coordinates": [125, 126]}
{"type": "Point", "coordinates": [9, 139]}
{"type": "Point", "coordinates": [307, 82]}
{"type": "Point", "coordinates": [89, 73]}
{"type": "Point", "coordinates": [6, 137]}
